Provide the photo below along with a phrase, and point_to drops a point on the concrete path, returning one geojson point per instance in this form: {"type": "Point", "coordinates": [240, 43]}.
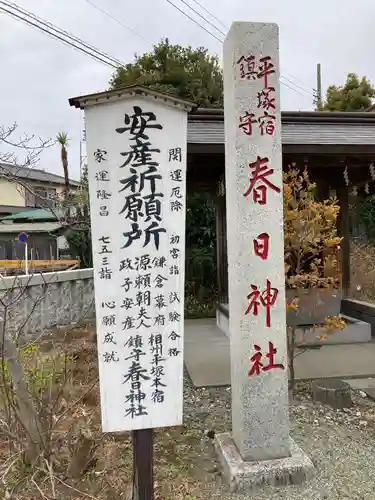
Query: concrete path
{"type": "Point", "coordinates": [366, 385]}
{"type": "Point", "coordinates": [207, 358]}
{"type": "Point", "coordinates": [206, 353]}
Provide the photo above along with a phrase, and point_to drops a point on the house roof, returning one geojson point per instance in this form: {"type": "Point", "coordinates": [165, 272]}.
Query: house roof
{"type": "Point", "coordinates": [30, 227]}
{"type": "Point", "coordinates": [33, 174]}
{"type": "Point", "coordinates": [11, 209]}
{"type": "Point", "coordinates": [33, 215]}
{"type": "Point", "coordinates": [129, 91]}
{"type": "Point", "coordinates": [206, 126]}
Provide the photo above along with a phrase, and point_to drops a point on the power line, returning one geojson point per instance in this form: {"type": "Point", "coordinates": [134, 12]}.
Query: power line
{"type": "Point", "coordinates": [210, 14]}
{"type": "Point", "coordinates": [299, 86]}
{"type": "Point", "coordinates": [55, 32]}
{"type": "Point", "coordinates": [215, 27]}
{"type": "Point", "coordinates": [202, 17]}
{"type": "Point", "coordinates": [27, 21]}
{"type": "Point", "coordinates": [297, 79]}
{"type": "Point", "coordinates": [117, 21]}
{"type": "Point", "coordinates": [194, 21]}
{"type": "Point", "coordinates": [90, 50]}
{"type": "Point", "coordinates": [295, 90]}
{"type": "Point", "coordinates": [306, 91]}
{"type": "Point", "coordinates": [60, 31]}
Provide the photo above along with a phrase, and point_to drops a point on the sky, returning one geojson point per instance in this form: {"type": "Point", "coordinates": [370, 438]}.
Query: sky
{"type": "Point", "coordinates": [39, 74]}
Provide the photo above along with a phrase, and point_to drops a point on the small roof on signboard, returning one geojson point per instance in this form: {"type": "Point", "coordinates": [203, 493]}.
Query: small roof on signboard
{"type": "Point", "coordinates": [130, 91]}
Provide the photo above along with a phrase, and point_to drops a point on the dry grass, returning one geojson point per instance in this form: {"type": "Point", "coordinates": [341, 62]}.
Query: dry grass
{"type": "Point", "coordinates": [180, 471]}
{"type": "Point", "coordinates": [362, 262]}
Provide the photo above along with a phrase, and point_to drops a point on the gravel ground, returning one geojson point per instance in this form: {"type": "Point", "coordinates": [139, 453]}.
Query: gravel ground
{"type": "Point", "coordinates": [341, 444]}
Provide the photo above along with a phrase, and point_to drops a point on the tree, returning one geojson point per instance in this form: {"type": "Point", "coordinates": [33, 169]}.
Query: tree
{"type": "Point", "coordinates": [200, 246]}
{"type": "Point", "coordinates": [62, 139]}
{"type": "Point", "coordinates": [311, 248]}
{"type": "Point", "coordinates": [367, 216]}
{"type": "Point", "coordinates": [79, 235]}
{"type": "Point", "coordinates": [182, 71]}
{"type": "Point", "coordinates": [33, 391]}
{"type": "Point", "coordinates": [22, 419]}
{"type": "Point", "coordinates": [355, 95]}
{"type": "Point", "coordinates": [85, 179]}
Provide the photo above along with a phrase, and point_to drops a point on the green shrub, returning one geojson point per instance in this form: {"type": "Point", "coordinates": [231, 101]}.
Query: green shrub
{"type": "Point", "coordinates": [40, 371]}
{"type": "Point", "coordinates": [195, 308]}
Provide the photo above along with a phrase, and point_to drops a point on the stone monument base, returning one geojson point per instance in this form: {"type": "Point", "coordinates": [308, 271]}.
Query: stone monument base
{"type": "Point", "coordinates": [243, 475]}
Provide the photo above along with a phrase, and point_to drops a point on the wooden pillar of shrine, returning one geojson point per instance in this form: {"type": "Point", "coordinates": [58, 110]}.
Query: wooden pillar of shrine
{"type": "Point", "coordinates": [221, 243]}
{"type": "Point", "coordinates": [322, 189]}
{"type": "Point", "coordinates": [344, 232]}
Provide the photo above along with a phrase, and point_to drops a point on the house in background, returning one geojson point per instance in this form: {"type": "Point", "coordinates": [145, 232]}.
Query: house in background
{"type": "Point", "coordinates": [47, 246]}
{"type": "Point", "coordinates": [42, 240]}
{"type": "Point", "coordinates": [45, 230]}
{"type": "Point", "coordinates": [24, 188]}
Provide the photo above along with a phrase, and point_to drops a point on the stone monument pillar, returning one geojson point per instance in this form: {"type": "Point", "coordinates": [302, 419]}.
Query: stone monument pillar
{"type": "Point", "coordinates": [260, 449]}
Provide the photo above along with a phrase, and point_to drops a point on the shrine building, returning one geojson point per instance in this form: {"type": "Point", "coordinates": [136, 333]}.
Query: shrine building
{"type": "Point", "coordinates": [337, 148]}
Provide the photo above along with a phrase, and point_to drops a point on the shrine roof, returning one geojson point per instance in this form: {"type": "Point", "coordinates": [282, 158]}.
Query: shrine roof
{"type": "Point", "coordinates": [206, 126]}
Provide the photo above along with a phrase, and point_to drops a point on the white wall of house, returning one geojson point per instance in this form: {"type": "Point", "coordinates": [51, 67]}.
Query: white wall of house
{"type": "Point", "coordinates": [14, 194]}
{"type": "Point", "coordinates": [11, 193]}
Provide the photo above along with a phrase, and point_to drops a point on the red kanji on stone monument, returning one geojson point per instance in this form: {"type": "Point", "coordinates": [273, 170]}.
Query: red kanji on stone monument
{"type": "Point", "coordinates": [267, 123]}
{"type": "Point", "coordinates": [266, 99]}
{"type": "Point", "coordinates": [256, 359]}
{"type": "Point", "coordinates": [246, 122]}
{"type": "Point", "coordinates": [266, 68]}
{"type": "Point", "coordinates": [248, 68]}
{"type": "Point", "coordinates": [259, 181]}
{"type": "Point", "coordinates": [266, 298]}
{"type": "Point", "coordinates": [271, 359]}
{"type": "Point", "coordinates": [261, 245]}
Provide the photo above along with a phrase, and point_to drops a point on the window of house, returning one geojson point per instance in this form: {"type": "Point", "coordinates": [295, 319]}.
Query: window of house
{"type": "Point", "coordinates": [44, 197]}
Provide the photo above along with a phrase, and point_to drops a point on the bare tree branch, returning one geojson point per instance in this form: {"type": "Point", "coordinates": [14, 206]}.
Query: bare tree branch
{"type": "Point", "coordinates": [30, 146]}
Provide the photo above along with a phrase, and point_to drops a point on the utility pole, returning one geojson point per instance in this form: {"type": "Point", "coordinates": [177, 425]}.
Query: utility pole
{"type": "Point", "coordinates": [82, 156]}
{"type": "Point", "coordinates": [319, 103]}
{"type": "Point", "coordinates": [80, 159]}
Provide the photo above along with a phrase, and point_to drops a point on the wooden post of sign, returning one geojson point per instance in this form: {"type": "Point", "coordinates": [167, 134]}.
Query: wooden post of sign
{"type": "Point", "coordinates": [143, 476]}
{"type": "Point", "coordinates": [138, 260]}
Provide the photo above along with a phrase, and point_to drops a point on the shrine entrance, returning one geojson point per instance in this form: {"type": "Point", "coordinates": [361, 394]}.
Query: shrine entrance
{"type": "Point", "coordinates": [338, 149]}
